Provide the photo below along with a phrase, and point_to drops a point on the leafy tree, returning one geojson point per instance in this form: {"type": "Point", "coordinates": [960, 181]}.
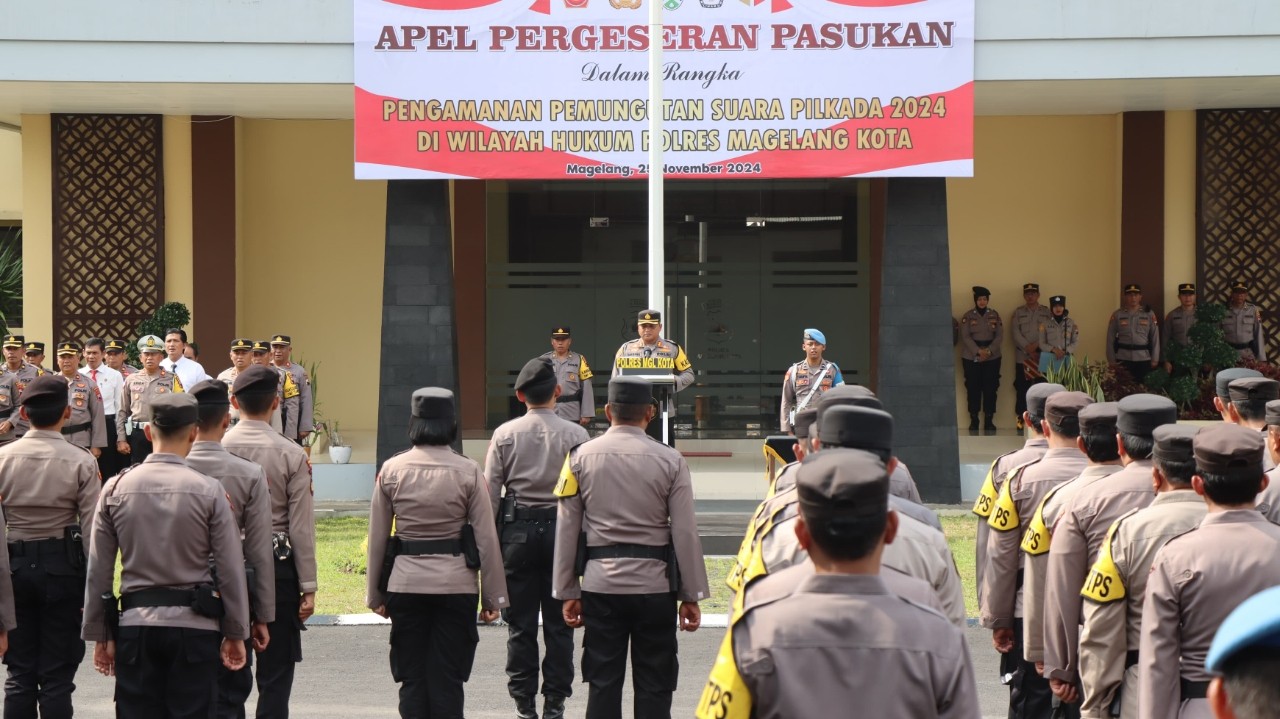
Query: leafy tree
{"type": "Point", "coordinates": [169, 314]}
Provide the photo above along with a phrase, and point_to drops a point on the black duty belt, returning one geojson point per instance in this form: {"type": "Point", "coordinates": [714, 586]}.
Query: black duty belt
{"type": "Point", "coordinates": [1194, 690]}
{"type": "Point", "coordinates": [1132, 348]}
{"type": "Point", "coordinates": [982, 343]}
{"type": "Point", "coordinates": [530, 514]}
{"type": "Point", "coordinates": [36, 547]}
{"type": "Point", "coordinates": [1241, 345]}
{"type": "Point", "coordinates": [77, 428]}
{"type": "Point", "coordinates": [1131, 658]}
{"type": "Point", "coordinates": [628, 551]}
{"type": "Point", "coordinates": [575, 397]}
{"type": "Point", "coordinates": [157, 598]}
{"type": "Point", "coordinates": [430, 546]}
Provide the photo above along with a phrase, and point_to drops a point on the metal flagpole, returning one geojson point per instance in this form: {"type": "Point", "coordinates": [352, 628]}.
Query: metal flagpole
{"type": "Point", "coordinates": [657, 288]}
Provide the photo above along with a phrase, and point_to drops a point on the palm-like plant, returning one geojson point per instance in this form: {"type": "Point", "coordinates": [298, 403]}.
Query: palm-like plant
{"type": "Point", "coordinates": [10, 281]}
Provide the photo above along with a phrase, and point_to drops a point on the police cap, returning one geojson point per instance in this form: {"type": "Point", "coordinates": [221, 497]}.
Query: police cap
{"type": "Point", "coordinates": [256, 380]}
{"type": "Point", "coordinates": [1173, 442]}
{"type": "Point", "coordinates": [174, 409]}
{"type": "Point", "coordinates": [14, 340]}
{"type": "Point", "coordinates": [1248, 389]}
{"type": "Point", "coordinates": [35, 348]}
{"type": "Point", "coordinates": [1187, 288]}
{"type": "Point", "coordinates": [150, 343]}
{"type": "Point", "coordinates": [68, 348]}
{"type": "Point", "coordinates": [843, 483]}
{"type": "Point", "coordinates": [804, 420]}
{"type": "Point", "coordinates": [114, 346]}
{"type": "Point", "coordinates": [211, 393]}
{"type": "Point", "coordinates": [980, 291]}
{"type": "Point", "coordinates": [432, 403]}
{"type": "Point", "coordinates": [1037, 394]}
{"type": "Point", "coordinates": [630, 390]}
{"type": "Point", "coordinates": [1030, 287]}
{"type": "Point", "coordinates": [1140, 414]}
{"type": "Point", "coordinates": [283, 340]}
{"type": "Point", "coordinates": [1222, 381]}
{"type": "Point", "coordinates": [49, 390]}
{"type": "Point", "coordinates": [241, 343]}
{"type": "Point", "coordinates": [560, 332]}
{"type": "Point", "coordinates": [536, 374]}
{"type": "Point", "coordinates": [649, 317]}
{"type": "Point", "coordinates": [1228, 448]}
{"type": "Point", "coordinates": [1098, 418]}
{"type": "Point", "coordinates": [1063, 408]}
{"type": "Point", "coordinates": [857, 428]}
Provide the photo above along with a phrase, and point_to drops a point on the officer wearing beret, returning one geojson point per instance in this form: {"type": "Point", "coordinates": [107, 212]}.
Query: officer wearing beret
{"type": "Point", "coordinates": [428, 583]}
{"type": "Point", "coordinates": [114, 352]}
{"type": "Point", "coordinates": [1222, 392]}
{"type": "Point", "coordinates": [981, 333]}
{"type": "Point", "coordinates": [1133, 335]}
{"type": "Point", "coordinates": [653, 352]}
{"type": "Point", "coordinates": [1269, 497]}
{"type": "Point", "coordinates": [20, 373]}
{"type": "Point", "coordinates": [1248, 408]}
{"type": "Point", "coordinates": [1242, 325]}
{"type": "Point", "coordinates": [87, 426]}
{"type": "Point", "coordinates": [284, 419]}
{"type": "Point", "coordinates": [1059, 335]}
{"type": "Point", "coordinates": [633, 499]}
{"type": "Point", "coordinates": [35, 354]}
{"type": "Point", "coordinates": [805, 653]}
{"type": "Point", "coordinates": [1232, 554]}
{"type": "Point", "coordinates": [184, 603]}
{"type": "Point", "coordinates": [1116, 585]}
{"type": "Point", "coordinates": [292, 525]}
{"type": "Point", "coordinates": [525, 456]}
{"type": "Point", "coordinates": [140, 390]}
{"type": "Point", "coordinates": [1083, 527]}
{"type": "Point", "coordinates": [49, 488]}
{"type": "Point", "coordinates": [575, 402]}
{"type": "Point", "coordinates": [1025, 327]}
{"type": "Point", "coordinates": [1245, 659]}
{"type": "Point", "coordinates": [1179, 321]}
{"type": "Point", "coordinates": [805, 381]}
{"type": "Point", "coordinates": [246, 486]}
{"type": "Point", "coordinates": [281, 358]}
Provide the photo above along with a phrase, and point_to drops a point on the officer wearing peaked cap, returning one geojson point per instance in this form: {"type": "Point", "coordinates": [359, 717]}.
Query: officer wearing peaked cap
{"type": "Point", "coordinates": [284, 418]}
{"type": "Point", "coordinates": [1233, 553]}
{"type": "Point", "coordinates": [1025, 328]}
{"type": "Point", "coordinates": [1248, 408]}
{"type": "Point", "coordinates": [1133, 336]}
{"type": "Point", "coordinates": [114, 356]}
{"type": "Point", "coordinates": [653, 353]}
{"type": "Point", "coordinates": [1242, 325]}
{"type": "Point", "coordinates": [17, 374]}
{"type": "Point", "coordinates": [282, 359]}
{"type": "Point", "coordinates": [140, 390]}
{"type": "Point", "coordinates": [524, 459]}
{"type": "Point", "coordinates": [981, 332]}
{"type": "Point", "coordinates": [575, 402]}
{"type": "Point", "coordinates": [35, 354]}
{"type": "Point", "coordinates": [1179, 321]}
{"type": "Point", "coordinates": [87, 426]}
{"type": "Point", "coordinates": [1269, 497]}
{"type": "Point", "coordinates": [805, 381]}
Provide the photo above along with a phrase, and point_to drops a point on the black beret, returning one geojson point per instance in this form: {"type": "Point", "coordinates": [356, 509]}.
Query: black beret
{"type": "Point", "coordinates": [630, 390]}
{"type": "Point", "coordinates": [980, 291]}
{"type": "Point", "coordinates": [856, 428]}
{"type": "Point", "coordinates": [781, 444]}
{"type": "Point", "coordinates": [1038, 393]}
{"type": "Point", "coordinates": [1140, 414]}
{"type": "Point", "coordinates": [535, 374]}
{"type": "Point", "coordinates": [1098, 417]}
{"type": "Point", "coordinates": [432, 403]}
{"type": "Point", "coordinates": [1273, 412]}
{"type": "Point", "coordinates": [256, 379]}
{"type": "Point", "coordinates": [174, 409]}
{"type": "Point", "coordinates": [1248, 389]}
{"type": "Point", "coordinates": [804, 421]}
{"type": "Point", "coordinates": [843, 483]}
{"type": "Point", "coordinates": [1226, 448]}
{"type": "Point", "coordinates": [1222, 381]}
{"type": "Point", "coordinates": [1173, 442]}
{"type": "Point", "coordinates": [49, 390]}
{"type": "Point", "coordinates": [1063, 408]}
{"type": "Point", "coordinates": [211, 393]}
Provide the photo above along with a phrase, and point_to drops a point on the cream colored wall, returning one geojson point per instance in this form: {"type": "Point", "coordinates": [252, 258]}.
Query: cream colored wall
{"type": "Point", "coordinates": [10, 175]}
{"type": "Point", "coordinates": [37, 226]}
{"type": "Point", "coordinates": [311, 253]}
{"type": "Point", "coordinates": [179, 274]}
{"type": "Point", "coordinates": [1043, 206]}
{"type": "Point", "coordinates": [1179, 203]}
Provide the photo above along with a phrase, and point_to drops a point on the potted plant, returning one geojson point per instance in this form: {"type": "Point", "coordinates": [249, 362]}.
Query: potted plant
{"type": "Point", "coordinates": [339, 451]}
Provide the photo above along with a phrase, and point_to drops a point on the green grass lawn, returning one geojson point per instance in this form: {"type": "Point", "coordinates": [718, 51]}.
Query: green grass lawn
{"type": "Point", "coordinates": [961, 531]}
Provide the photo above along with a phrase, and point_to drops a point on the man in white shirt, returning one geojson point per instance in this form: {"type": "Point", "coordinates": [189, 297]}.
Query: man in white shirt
{"type": "Point", "coordinates": [189, 371]}
{"type": "Point", "coordinates": [110, 384]}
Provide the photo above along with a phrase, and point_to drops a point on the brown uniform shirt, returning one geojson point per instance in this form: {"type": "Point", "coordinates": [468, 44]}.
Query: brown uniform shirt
{"type": "Point", "coordinates": [1133, 336]}
{"type": "Point", "coordinates": [1076, 541]}
{"type": "Point", "coordinates": [1177, 324]}
{"type": "Point", "coordinates": [306, 407]}
{"type": "Point", "coordinates": [659, 357]}
{"type": "Point", "coordinates": [1242, 329]}
{"type": "Point", "coordinates": [8, 610]}
{"type": "Point", "coordinates": [802, 388]}
{"type": "Point", "coordinates": [431, 492]}
{"type": "Point", "coordinates": [164, 499]}
{"type": "Point", "coordinates": [289, 482]}
{"type": "Point", "coordinates": [526, 455]}
{"type": "Point", "coordinates": [87, 415]}
{"type": "Point", "coordinates": [1269, 498]}
{"type": "Point", "coordinates": [981, 331]}
{"type": "Point", "coordinates": [1064, 335]}
{"type": "Point", "coordinates": [1025, 327]}
{"type": "Point", "coordinates": [1113, 596]}
{"type": "Point", "coordinates": [285, 417]}
{"type": "Point", "coordinates": [576, 400]}
{"type": "Point", "coordinates": [47, 484]}
{"type": "Point", "coordinates": [21, 378]}
{"type": "Point", "coordinates": [246, 486]}
{"type": "Point", "coordinates": [135, 398]}
{"type": "Point", "coordinates": [1033, 449]}
{"type": "Point", "coordinates": [1197, 579]}
{"type": "Point", "coordinates": [624, 487]}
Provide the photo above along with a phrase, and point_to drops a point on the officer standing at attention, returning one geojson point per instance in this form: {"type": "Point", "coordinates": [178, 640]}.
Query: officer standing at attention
{"type": "Point", "coordinates": [284, 419]}
{"type": "Point", "coordinates": [35, 355]}
{"type": "Point", "coordinates": [140, 390]}
{"type": "Point", "coordinates": [655, 352]}
{"type": "Point", "coordinates": [842, 639]}
{"type": "Point", "coordinates": [50, 488]}
{"type": "Point", "coordinates": [1248, 407]}
{"type": "Point", "coordinates": [1269, 497]}
{"type": "Point", "coordinates": [110, 382]}
{"type": "Point", "coordinates": [262, 353]}
{"type": "Point", "coordinates": [806, 381]}
{"type": "Point", "coordinates": [1200, 576]}
{"type": "Point", "coordinates": [1179, 321]}
{"type": "Point", "coordinates": [1133, 337]}
{"type": "Point", "coordinates": [22, 374]}
{"type": "Point", "coordinates": [1222, 388]}
{"type": "Point", "coordinates": [1242, 327]}
{"type": "Point", "coordinates": [576, 402]}
{"type": "Point", "coordinates": [115, 357]}
{"type": "Point", "coordinates": [87, 426]}
{"type": "Point", "coordinates": [524, 459]}
{"type": "Point", "coordinates": [632, 499]}
{"type": "Point", "coordinates": [1117, 583]}
{"type": "Point", "coordinates": [425, 577]}
{"type": "Point", "coordinates": [981, 332]}
{"type": "Point", "coordinates": [1059, 336]}
{"type": "Point", "coordinates": [293, 531]}
{"type": "Point", "coordinates": [1025, 327]}
{"type": "Point", "coordinates": [281, 357]}
{"type": "Point", "coordinates": [246, 486]}
{"type": "Point", "coordinates": [181, 597]}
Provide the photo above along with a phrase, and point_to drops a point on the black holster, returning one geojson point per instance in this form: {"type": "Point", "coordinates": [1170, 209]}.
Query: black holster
{"type": "Point", "coordinates": [73, 537]}
{"type": "Point", "coordinates": [281, 547]}
{"type": "Point", "coordinates": [580, 559]}
{"type": "Point", "coordinates": [111, 614]}
{"type": "Point", "coordinates": [388, 562]}
{"type": "Point", "coordinates": [470, 550]}
{"type": "Point", "coordinates": [207, 602]}
{"type": "Point", "coordinates": [673, 569]}
{"type": "Point", "coordinates": [508, 508]}
{"type": "Point", "coordinates": [250, 577]}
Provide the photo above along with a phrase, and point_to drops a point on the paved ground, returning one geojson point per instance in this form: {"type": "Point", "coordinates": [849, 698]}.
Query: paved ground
{"type": "Point", "coordinates": [345, 675]}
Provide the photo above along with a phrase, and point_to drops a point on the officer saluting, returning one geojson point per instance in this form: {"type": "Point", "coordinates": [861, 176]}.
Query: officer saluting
{"type": "Point", "coordinates": [653, 353]}
{"type": "Point", "coordinates": [633, 499]}
{"type": "Point", "coordinates": [182, 597]}
{"type": "Point", "coordinates": [524, 457]}
{"type": "Point", "coordinates": [425, 577]}
{"type": "Point", "coordinates": [575, 403]}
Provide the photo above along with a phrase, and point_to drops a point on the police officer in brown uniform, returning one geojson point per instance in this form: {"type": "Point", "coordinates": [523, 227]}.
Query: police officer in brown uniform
{"type": "Point", "coordinates": [1248, 407]}
{"type": "Point", "coordinates": [1114, 590]}
{"type": "Point", "coordinates": [524, 459]}
{"type": "Point", "coordinates": [1002, 608]}
{"type": "Point", "coordinates": [427, 582]}
{"type": "Point", "coordinates": [807, 380]}
{"type": "Point", "coordinates": [261, 354]}
{"type": "Point", "coordinates": [246, 486]}
{"type": "Point", "coordinates": [1242, 326]}
{"type": "Point", "coordinates": [87, 426]}
{"type": "Point", "coordinates": [140, 390]}
{"type": "Point", "coordinates": [281, 357]}
{"type": "Point", "coordinates": [35, 355]}
{"type": "Point", "coordinates": [1133, 336]}
{"type": "Point", "coordinates": [114, 356]}
{"type": "Point", "coordinates": [184, 605]}
{"type": "Point", "coordinates": [285, 417]}
{"type": "Point", "coordinates": [1197, 578]}
{"type": "Point", "coordinates": [23, 373]}
{"type": "Point", "coordinates": [293, 531]}
{"type": "Point", "coordinates": [633, 499]}
{"type": "Point", "coordinates": [1222, 383]}
{"type": "Point", "coordinates": [1059, 336]}
{"type": "Point", "coordinates": [1269, 497]}
{"type": "Point", "coordinates": [1179, 321]}
{"type": "Point", "coordinates": [1083, 527]}
{"type": "Point", "coordinates": [813, 652]}
{"type": "Point", "coordinates": [1025, 327]}
{"type": "Point", "coordinates": [576, 401]}
{"type": "Point", "coordinates": [49, 488]}
{"type": "Point", "coordinates": [652, 354]}
{"type": "Point", "coordinates": [981, 332]}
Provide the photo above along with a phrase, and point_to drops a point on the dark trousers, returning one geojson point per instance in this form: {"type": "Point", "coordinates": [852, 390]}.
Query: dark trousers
{"type": "Point", "coordinates": [528, 549]}
{"type": "Point", "coordinates": [981, 379]}
{"type": "Point", "coordinates": [111, 461]}
{"type": "Point", "coordinates": [648, 623]}
{"type": "Point", "coordinates": [1138, 369]}
{"type": "Point", "coordinates": [45, 648]}
{"type": "Point", "coordinates": [1020, 386]}
{"type": "Point", "coordinates": [234, 687]}
{"type": "Point", "coordinates": [276, 665]}
{"type": "Point", "coordinates": [169, 672]}
{"type": "Point", "coordinates": [1029, 694]}
{"type": "Point", "coordinates": [139, 446]}
{"type": "Point", "coordinates": [433, 644]}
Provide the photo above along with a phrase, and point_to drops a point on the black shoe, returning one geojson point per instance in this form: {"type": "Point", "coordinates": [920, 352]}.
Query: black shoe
{"type": "Point", "coordinates": [989, 425]}
{"type": "Point", "coordinates": [973, 423]}
{"type": "Point", "coordinates": [526, 708]}
{"type": "Point", "coordinates": [553, 708]}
